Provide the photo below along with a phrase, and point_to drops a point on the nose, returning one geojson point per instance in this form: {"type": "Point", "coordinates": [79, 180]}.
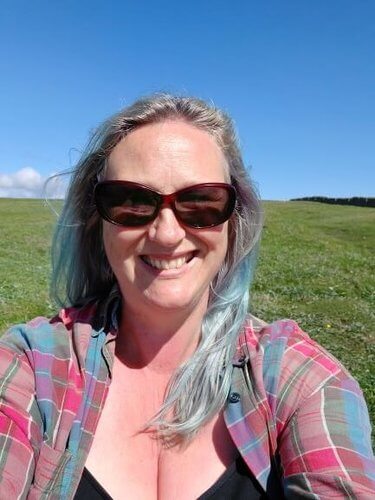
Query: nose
{"type": "Point", "coordinates": [166, 229]}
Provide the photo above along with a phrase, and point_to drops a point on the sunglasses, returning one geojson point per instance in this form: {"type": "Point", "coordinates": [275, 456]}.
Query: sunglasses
{"type": "Point", "coordinates": [131, 204]}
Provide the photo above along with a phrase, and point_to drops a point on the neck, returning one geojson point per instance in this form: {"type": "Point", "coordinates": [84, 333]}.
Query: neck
{"type": "Point", "coordinates": [160, 341]}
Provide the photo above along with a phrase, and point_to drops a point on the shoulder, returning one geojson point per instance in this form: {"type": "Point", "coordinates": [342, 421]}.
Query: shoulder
{"type": "Point", "coordinates": [45, 334]}
{"type": "Point", "coordinates": [38, 356]}
{"type": "Point", "coordinates": [287, 364]}
{"type": "Point", "coordinates": [40, 392]}
{"type": "Point", "coordinates": [25, 337]}
{"type": "Point", "coordinates": [41, 347]}
{"type": "Point", "coordinates": [284, 341]}
{"type": "Point", "coordinates": [313, 408]}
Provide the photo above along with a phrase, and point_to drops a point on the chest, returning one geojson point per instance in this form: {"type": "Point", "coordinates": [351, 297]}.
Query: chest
{"type": "Point", "coordinates": [129, 461]}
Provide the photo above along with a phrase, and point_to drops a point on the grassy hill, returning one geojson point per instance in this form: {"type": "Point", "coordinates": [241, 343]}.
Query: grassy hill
{"type": "Point", "coordinates": [315, 266]}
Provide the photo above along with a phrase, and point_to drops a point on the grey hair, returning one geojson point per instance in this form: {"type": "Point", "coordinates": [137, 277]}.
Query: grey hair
{"type": "Point", "coordinates": [82, 274]}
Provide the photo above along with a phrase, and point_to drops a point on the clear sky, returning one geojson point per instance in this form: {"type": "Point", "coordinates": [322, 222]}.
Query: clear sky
{"type": "Point", "coordinates": [297, 76]}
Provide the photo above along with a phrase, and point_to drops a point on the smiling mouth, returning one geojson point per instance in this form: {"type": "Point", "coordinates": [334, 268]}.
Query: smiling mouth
{"type": "Point", "coordinates": [164, 264]}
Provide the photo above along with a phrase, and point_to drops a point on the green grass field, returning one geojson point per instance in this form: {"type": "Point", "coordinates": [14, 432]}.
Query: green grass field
{"type": "Point", "coordinates": [316, 266]}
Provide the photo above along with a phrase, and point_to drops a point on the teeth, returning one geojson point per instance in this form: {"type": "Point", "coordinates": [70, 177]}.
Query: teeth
{"type": "Point", "coordinates": [163, 264]}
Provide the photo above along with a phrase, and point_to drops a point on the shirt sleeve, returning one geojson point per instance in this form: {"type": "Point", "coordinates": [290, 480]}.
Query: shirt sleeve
{"type": "Point", "coordinates": [325, 447]}
{"type": "Point", "coordinates": [19, 426]}
{"type": "Point", "coordinates": [322, 422]}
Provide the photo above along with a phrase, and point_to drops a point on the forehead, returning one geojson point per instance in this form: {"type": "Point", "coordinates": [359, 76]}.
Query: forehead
{"type": "Point", "coordinates": [171, 152]}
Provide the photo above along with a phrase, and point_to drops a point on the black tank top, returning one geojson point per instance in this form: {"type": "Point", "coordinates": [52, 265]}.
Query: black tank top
{"type": "Point", "coordinates": [237, 482]}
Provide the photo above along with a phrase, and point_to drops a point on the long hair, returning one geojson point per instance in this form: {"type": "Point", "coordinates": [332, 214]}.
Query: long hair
{"type": "Point", "coordinates": [81, 272]}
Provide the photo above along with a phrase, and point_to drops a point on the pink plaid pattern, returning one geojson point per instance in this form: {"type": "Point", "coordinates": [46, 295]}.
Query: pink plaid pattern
{"type": "Point", "coordinates": [294, 413]}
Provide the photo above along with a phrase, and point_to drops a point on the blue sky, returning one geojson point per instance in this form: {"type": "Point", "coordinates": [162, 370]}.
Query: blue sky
{"type": "Point", "coordinates": [297, 76]}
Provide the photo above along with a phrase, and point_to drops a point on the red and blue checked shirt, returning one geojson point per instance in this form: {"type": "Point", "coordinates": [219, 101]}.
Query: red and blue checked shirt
{"type": "Point", "coordinates": [293, 411]}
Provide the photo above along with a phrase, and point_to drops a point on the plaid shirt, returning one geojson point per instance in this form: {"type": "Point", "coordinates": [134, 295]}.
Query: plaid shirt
{"type": "Point", "coordinates": [293, 410]}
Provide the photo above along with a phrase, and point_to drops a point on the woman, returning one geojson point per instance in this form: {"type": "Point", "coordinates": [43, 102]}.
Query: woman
{"type": "Point", "coordinates": [155, 383]}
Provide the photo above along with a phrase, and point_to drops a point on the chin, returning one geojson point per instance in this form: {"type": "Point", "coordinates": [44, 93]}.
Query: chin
{"type": "Point", "coordinates": [171, 303]}
{"type": "Point", "coordinates": [174, 301]}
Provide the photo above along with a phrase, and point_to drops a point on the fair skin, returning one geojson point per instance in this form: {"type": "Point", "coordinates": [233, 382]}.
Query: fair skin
{"type": "Point", "coordinates": [164, 271]}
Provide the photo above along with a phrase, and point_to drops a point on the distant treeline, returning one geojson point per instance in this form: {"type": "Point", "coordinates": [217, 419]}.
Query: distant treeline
{"type": "Point", "coordinates": [356, 200]}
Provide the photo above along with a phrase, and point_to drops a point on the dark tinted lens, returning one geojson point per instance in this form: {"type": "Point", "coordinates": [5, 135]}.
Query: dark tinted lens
{"type": "Point", "coordinates": [126, 205]}
{"type": "Point", "coordinates": [205, 206]}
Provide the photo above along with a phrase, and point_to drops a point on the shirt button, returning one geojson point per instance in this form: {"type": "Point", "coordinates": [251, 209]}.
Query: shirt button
{"type": "Point", "coordinates": [234, 397]}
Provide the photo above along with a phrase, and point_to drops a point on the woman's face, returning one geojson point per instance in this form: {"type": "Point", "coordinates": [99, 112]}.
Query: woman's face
{"type": "Point", "coordinates": [166, 265]}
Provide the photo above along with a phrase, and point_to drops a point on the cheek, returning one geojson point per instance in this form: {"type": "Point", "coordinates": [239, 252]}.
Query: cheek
{"type": "Point", "coordinates": [109, 242]}
{"type": "Point", "coordinates": [224, 247]}
{"type": "Point", "coordinates": [217, 243]}
{"type": "Point", "coordinates": [115, 244]}
{"type": "Point", "coordinates": [121, 245]}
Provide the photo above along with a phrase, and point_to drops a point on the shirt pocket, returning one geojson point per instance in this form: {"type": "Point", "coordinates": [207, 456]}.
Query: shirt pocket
{"type": "Point", "coordinates": [48, 473]}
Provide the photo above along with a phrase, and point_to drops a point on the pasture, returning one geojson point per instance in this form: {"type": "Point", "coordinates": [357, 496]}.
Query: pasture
{"type": "Point", "coordinates": [316, 266]}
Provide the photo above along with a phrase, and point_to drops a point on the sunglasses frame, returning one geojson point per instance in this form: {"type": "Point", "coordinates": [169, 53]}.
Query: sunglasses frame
{"type": "Point", "coordinates": [163, 200]}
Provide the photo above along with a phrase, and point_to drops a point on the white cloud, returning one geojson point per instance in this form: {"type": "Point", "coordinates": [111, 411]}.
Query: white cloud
{"type": "Point", "coordinates": [29, 183]}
